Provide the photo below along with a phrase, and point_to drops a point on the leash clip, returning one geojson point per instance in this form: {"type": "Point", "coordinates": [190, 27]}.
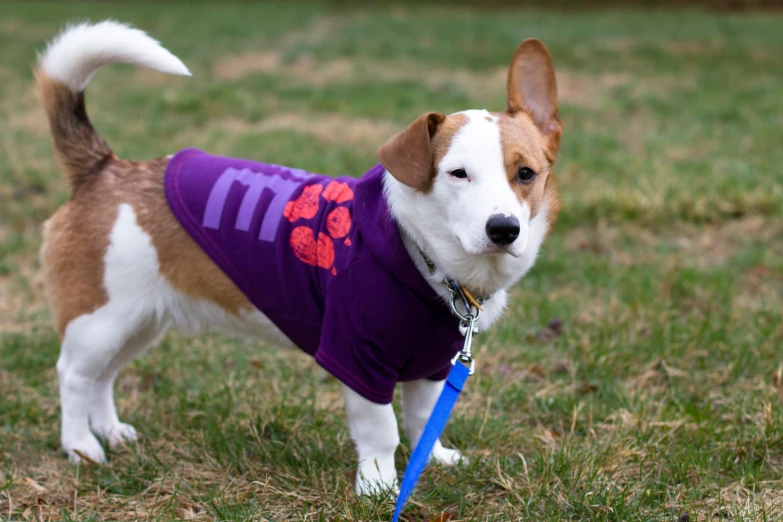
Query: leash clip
{"type": "Point", "coordinates": [467, 322]}
{"type": "Point", "coordinates": [465, 356]}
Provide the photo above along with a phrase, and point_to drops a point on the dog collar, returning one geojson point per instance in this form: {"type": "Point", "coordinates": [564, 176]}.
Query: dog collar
{"type": "Point", "coordinates": [453, 285]}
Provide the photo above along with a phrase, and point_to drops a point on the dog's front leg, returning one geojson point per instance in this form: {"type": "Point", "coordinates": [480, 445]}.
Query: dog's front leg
{"type": "Point", "coordinates": [418, 400]}
{"type": "Point", "coordinates": [373, 429]}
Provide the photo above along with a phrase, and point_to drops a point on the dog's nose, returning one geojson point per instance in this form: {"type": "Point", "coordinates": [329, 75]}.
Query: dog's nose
{"type": "Point", "coordinates": [502, 230]}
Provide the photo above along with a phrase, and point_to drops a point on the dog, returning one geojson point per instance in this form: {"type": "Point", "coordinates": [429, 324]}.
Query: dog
{"type": "Point", "coordinates": [352, 270]}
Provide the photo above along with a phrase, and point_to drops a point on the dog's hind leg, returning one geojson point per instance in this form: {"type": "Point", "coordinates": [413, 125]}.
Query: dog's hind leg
{"type": "Point", "coordinates": [95, 347]}
{"type": "Point", "coordinates": [104, 420]}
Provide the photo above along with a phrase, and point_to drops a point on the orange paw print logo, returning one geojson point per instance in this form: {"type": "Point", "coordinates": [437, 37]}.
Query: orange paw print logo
{"type": "Point", "coordinates": [305, 206]}
{"type": "Point", "coordinates": [319, 251]}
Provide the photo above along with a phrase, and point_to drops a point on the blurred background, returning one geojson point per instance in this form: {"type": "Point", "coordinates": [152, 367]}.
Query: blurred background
{"type": "Point", "coordinates": [638, 371]}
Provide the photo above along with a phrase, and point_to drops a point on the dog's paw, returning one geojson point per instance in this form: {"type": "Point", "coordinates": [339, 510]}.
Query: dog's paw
{"type": "Point", "coordinates": [376, 488]}
{"type": "Point", "coordinates": [117, 434]}
{"type": "Point", "coordinates": [87, 449]}
{"type": "Point", "coordinates": [373, 479]}
{"type": "Point", "coordinates": [446, 456]}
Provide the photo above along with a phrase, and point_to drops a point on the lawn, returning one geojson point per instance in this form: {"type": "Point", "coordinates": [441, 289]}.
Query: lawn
{"type": "Point", "coordinates": [638, 373]}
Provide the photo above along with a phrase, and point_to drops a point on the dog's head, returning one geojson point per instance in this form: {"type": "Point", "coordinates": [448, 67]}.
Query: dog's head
{"type": "Point", "coordinates": [478, 183]}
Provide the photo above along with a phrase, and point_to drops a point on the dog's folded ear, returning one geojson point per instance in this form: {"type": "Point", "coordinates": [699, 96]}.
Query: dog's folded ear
{"type": "Point", "coordinates": [532, 88]}
{"type": "Point", "coordinates": [408, 155]}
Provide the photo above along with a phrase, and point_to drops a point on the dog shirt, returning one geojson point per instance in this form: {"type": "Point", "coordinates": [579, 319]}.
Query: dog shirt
{"type": "Point", "coordinates": [323, 259]}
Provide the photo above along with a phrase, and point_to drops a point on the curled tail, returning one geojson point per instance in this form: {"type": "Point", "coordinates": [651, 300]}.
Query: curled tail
{"type": "Point", "coordinates": [63, 72]}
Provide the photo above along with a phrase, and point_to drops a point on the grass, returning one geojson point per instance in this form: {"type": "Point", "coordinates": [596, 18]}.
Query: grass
{"type": "Point", "coordinates": [660, 397]}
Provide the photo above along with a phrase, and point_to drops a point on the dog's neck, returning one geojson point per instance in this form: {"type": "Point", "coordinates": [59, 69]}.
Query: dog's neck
{"type": "Point", "coordinates": [435, 275]}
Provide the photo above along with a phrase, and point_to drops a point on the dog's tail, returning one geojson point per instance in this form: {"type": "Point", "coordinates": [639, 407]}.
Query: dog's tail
{"type": "Point", "coordinates": [63, 71]}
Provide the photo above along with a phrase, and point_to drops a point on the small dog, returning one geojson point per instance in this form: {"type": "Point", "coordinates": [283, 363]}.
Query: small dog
{"type": "Point", "coordinates": [350, 270]}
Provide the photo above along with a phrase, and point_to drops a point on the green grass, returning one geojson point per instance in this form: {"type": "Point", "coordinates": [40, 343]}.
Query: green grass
{"type": "Point", "coordinates": [661, 397]}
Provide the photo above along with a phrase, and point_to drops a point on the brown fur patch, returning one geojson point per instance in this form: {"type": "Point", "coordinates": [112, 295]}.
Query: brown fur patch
{"type": "Point", "coordinates": [409, 155]}
{"type": "Point", "coordinates": [552, 198]}
{"type": "Point", "coordinates": [444, 136]}
{"type": "Point", "coordinates": [75, 240]}
{"type": "Point", "coordinates": [80, 149]}
{"type": "Point", "coordinates": [523, 146]}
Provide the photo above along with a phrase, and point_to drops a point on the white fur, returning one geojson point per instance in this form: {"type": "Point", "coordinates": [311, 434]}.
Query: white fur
{"type": "Point", "coordinates": [76, 53]}
{"type": "Point", "coordinates": [373, 429]}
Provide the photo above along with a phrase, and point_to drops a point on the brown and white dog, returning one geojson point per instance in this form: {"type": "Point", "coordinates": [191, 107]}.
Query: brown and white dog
{"type": "Point", "coordinates": [120, 270]}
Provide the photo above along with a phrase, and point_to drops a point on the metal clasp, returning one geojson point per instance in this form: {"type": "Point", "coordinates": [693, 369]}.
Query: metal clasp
{"type": "Point", "coordinates": [467, 321]}
{"type": "Point", "coordinates": [465, 356]}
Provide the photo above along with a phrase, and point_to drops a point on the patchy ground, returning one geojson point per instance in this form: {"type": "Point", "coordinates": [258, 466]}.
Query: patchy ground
{"type": "Point", "coordinates": [638, 373]}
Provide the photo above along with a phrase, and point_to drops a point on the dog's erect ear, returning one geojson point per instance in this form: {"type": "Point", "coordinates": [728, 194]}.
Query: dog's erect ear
{"type": "Point", "coordinates": [532, 88]}
{"type": "Point", "coordinates": [408, 154]}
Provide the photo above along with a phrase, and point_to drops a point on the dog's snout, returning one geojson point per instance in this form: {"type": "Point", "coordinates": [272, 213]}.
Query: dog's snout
{"type": "Point", "coordinates": [502, 230]}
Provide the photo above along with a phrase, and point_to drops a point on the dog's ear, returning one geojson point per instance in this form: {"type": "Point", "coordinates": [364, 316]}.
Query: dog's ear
{"type": "Point", "coordinates": [408, 155]}
{"type": "Point", "coordinates": [532, 88]}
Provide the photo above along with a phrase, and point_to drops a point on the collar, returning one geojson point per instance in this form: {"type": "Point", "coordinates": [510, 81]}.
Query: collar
{"type": "Point", "coordinates": [450, 283]}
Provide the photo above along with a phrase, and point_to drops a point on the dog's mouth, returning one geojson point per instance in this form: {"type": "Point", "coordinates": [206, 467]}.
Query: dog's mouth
{"type": "Point", "coordinates": [510, 250]}
{"type": "Point", "coordinates": [487, 248]}
{"type": "Point", "coordinates": [495, 250]}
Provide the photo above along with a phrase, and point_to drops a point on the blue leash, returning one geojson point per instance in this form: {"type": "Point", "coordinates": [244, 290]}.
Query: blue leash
{"type": "Point", "coordinates": [448, 397]}
{"type": "Point", "coordinates": [440, 415]}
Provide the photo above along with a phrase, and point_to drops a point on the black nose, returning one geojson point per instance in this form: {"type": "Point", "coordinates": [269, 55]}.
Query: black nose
{"type": "Point", "coordinates": [502, 230]}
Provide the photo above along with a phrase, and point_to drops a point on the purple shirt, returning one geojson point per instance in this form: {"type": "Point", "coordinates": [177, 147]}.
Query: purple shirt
{"type": "Point", "coordinates": [324, 261]}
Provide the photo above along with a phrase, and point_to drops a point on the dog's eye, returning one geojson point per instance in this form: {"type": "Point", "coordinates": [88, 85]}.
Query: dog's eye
{"type": "Point", "coordinates": [526, 174]}
{"type": "Point", "coordinates": [459, 173]}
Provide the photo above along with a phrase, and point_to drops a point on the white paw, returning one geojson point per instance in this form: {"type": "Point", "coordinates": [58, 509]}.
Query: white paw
{"type": "Point", "coordinates": [117, 434]}
{"type": "Point", "coordinates": [376, 480]}
{"type": "Point", "coordinates": [87, 449]}
{"type": "Point", "coordinates": [376, 488]}
{"type": "Point", "coordinates": [446, 456]}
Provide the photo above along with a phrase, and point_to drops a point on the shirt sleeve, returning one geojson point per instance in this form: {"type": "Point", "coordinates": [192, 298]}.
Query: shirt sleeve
{"type": "Point", "coordinates": [365, 340]}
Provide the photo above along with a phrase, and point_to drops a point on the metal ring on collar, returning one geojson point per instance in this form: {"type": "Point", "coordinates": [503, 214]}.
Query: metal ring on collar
{"type": "Point", "coordinates": [471, 312]}
{"type": "Point", "coordinates": [467, 318]}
